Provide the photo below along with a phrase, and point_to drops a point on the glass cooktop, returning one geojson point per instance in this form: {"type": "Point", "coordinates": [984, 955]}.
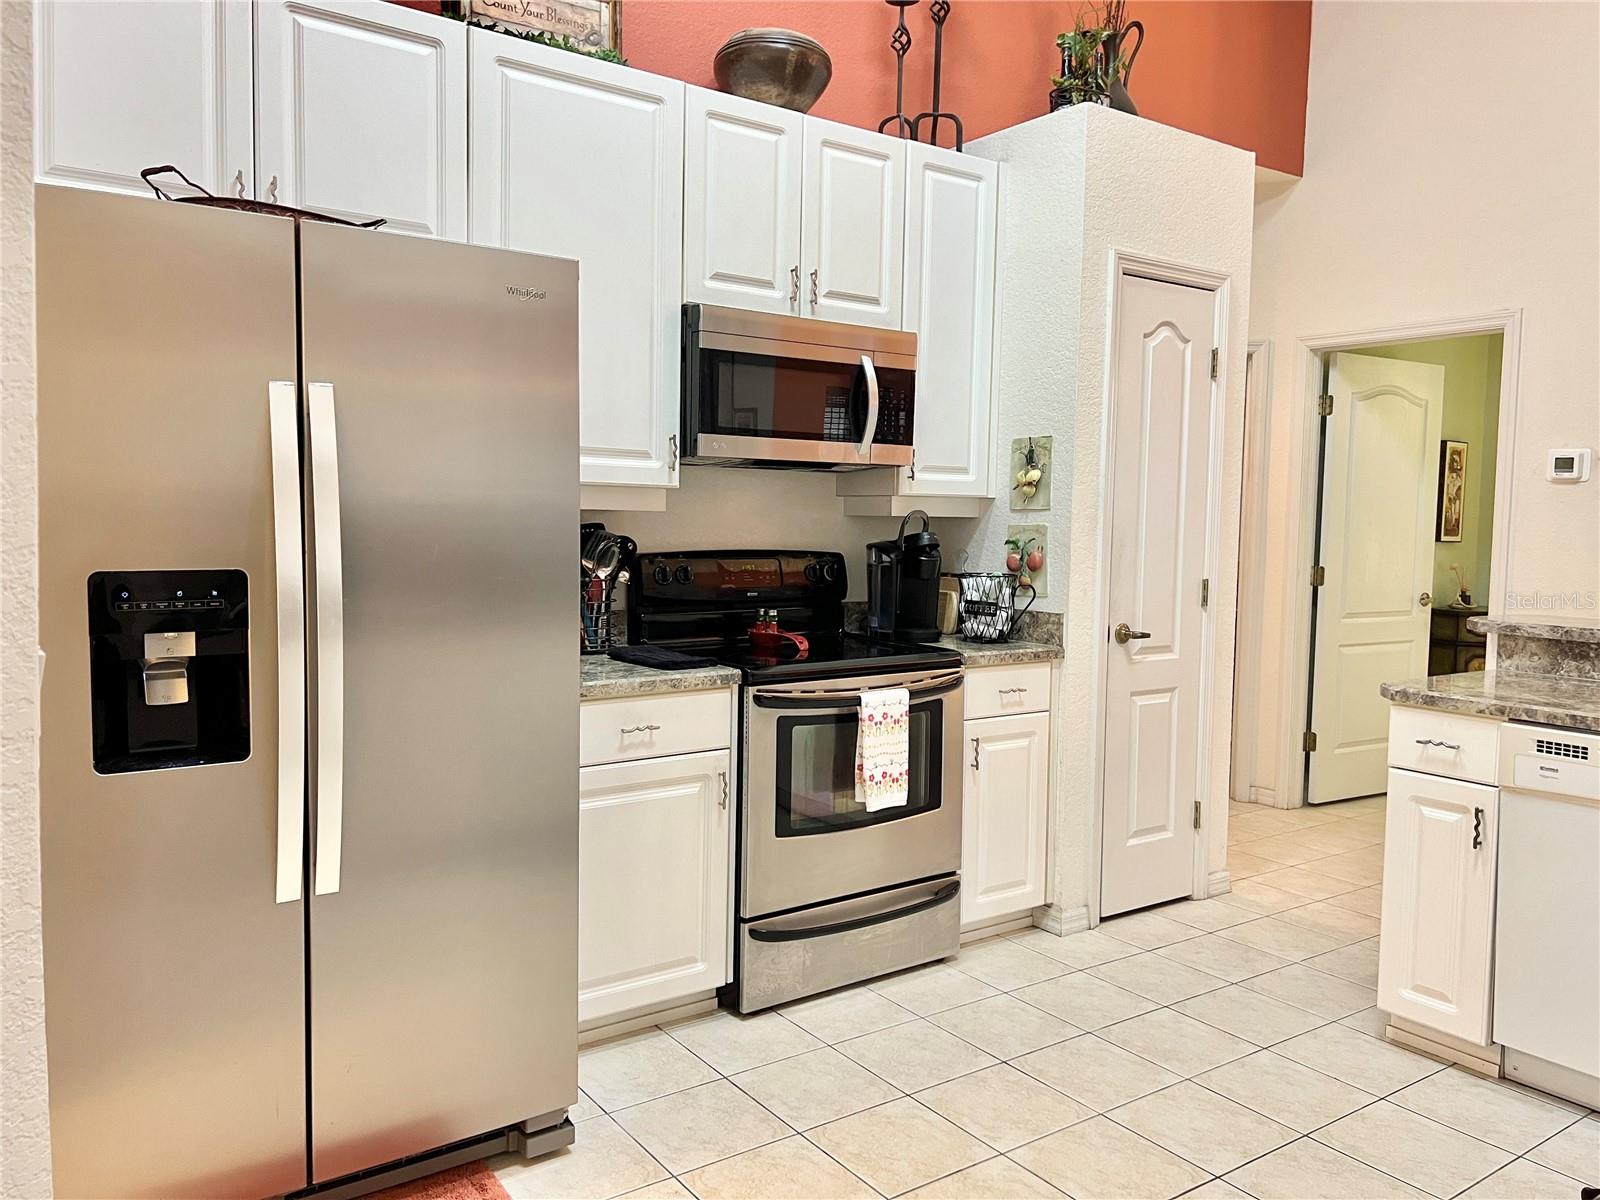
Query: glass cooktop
{"type": "Point", "coordinates": [831, 655]}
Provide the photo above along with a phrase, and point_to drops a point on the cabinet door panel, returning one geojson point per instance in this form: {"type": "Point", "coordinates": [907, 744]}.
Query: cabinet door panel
{"type": "Point", "coordinates": [120, 87]}
{"type": "Point", "coordinates": [854, 225]}
{"type": "Point", "coordinates": [949, 304]}
{"type": "Point", "coordinates": [654, 901]}
{"type": "Point", "coordinates": [362, 113]}
{"type": "Point", "coordinates": [1003, 816]}
{"type": "Point", "coordinates": [1438, 903]}
{"type": "Point", "coordinates": [584, 160]}
{"type": "Point", "coordinates": [741, 233]}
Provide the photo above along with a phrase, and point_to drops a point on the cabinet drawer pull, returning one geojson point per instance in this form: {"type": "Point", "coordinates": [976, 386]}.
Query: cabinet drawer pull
{"type": "Point", "coordinates": [640, 729]}
{"type": "Point", "coordinates": [1477, 828]}
{"type": "Point", "coordinates": [1436, 742]}
{"type": "Point", "coordinates": [1013, 691]}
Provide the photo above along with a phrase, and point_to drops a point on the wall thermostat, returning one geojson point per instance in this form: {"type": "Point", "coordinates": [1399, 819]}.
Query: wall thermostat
{"type": "Point", "coordinates": [1569, 466]}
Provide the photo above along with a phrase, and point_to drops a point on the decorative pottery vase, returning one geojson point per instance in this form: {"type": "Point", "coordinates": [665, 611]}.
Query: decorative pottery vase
{"type": "Point", "coordinates": [1117, 89]}
{"type": "Point", "coordinates": [775, 66]}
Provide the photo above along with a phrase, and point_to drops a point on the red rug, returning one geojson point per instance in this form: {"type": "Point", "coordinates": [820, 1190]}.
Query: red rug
{"type": "Point", "coordinates": [471, 1182]}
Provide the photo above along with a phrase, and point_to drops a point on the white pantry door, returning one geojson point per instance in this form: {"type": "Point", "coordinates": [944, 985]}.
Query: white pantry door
{"type": "Point", "coordinates": [1161, 406]}
{"type": "Point", "coordinates": [1380, 482]}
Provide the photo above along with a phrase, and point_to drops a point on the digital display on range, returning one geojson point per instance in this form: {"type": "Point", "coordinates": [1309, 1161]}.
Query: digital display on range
{"type": "Point", "coordinates": [745, 573]}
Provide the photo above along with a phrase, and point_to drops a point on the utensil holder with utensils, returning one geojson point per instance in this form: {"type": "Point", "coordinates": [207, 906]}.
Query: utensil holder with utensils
{"type": "Point", "coordinates": [605, 562]}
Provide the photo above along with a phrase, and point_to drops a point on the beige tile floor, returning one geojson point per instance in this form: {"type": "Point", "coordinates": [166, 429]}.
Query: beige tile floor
{"type": "Point", "coordinates": [1221, 1048]}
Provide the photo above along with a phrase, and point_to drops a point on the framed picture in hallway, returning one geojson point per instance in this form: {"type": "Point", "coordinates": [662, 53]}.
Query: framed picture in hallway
{"type": "Point", "coordinates": [1452, 489]}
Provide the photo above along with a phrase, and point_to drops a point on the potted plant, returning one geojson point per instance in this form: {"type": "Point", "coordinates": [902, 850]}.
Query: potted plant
{"type": "Point", "coordinates": [1088, 61]}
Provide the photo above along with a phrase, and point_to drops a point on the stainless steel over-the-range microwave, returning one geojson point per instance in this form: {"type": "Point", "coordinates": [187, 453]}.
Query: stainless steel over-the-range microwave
{"type": "Point", "coordinates": [761, 388]}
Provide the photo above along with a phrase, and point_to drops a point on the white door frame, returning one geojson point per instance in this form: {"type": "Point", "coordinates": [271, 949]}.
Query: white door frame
{"type": "Point", "coordinates": [1294, 678]}
{"type": "Point", "coordinates": [1253, 505]}
{"type": "Point", "coordinates": [1122, 263]}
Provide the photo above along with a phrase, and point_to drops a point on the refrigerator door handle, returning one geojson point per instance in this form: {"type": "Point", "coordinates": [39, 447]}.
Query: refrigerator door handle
{"type": "Point", "coordinates": [283, 421]}
{"type": "Point", "coordinates": [329, 789]}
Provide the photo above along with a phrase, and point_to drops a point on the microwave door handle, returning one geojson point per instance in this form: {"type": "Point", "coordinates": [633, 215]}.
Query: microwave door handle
{"type": "Point", "coordinates": [871, 432]}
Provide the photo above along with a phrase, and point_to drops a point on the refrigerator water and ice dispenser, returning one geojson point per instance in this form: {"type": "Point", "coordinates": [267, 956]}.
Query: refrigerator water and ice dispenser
{"type": "Point", "coordinates": [169, 669]}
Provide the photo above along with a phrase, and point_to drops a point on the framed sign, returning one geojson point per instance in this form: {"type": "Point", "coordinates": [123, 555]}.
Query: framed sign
{"type": "Point", "coordinates": [592, 24]}
{"type": "Point", "coordinates": [1452, 489]}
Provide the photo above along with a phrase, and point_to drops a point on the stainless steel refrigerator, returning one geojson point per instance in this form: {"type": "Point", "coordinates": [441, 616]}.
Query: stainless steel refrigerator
{"type": "Point", "coordinates": [307, 502]}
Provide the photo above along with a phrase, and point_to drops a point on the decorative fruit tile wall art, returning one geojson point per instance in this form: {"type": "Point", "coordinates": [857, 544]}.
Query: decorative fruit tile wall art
{"type": "Point", "coordinates": [1027, 555]}
{"type": "Point", "coordinates": [1030, 474]}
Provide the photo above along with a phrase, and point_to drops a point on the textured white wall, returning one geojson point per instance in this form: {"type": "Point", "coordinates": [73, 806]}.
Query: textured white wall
{"type": "Point", "coordinates": [1079, 184]}
{"type": "Point", "coordinates": [1431, 193]}
{"type": "Point", "coordinates": [24, 1109]}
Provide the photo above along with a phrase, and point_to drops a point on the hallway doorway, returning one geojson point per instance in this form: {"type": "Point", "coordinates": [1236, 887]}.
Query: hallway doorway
{"type": "Point", "coordinates": [1404, 541]}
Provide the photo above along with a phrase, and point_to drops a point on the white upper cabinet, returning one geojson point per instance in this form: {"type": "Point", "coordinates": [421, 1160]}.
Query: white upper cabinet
{"type": "Point", "coordinates": [949, 305]}
{"type": "Point", "coordinates": [361, 112]}
{"type": "Point", "coordinates": [743, 162]}
{"type": "Point", "coordinates": [853, 234]}
{"type": "Point", "coordinates": [120, 87]}
{"type": "Point", "coordinates": [584, 159]}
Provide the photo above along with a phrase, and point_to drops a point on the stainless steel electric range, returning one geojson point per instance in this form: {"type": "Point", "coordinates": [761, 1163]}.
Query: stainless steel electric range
{"type": "Point", "coordinates": [828, 893]}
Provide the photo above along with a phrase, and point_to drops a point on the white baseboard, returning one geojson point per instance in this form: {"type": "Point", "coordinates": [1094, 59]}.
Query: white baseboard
{"type": "Point", "coordinates": [995, 928]}
{"type": "Point", "coordinates": [607, 1028]}
{"type": "Point", "coordinates": [1219, 882]}
{"type": "Point", "coordinates": [1484, 1060]}
{"type": "Point", "coordinates": [1061, 921]}
{"type": "Point", "coordinates": [1265, 795]}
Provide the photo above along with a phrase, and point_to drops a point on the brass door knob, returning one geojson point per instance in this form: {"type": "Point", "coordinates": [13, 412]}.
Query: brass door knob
{"type": "Point", "coordinates": [1125, 633]}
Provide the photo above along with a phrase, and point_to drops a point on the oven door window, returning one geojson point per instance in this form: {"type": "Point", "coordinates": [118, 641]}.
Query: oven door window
{"type": "Point", "coordinates": [816, 784]}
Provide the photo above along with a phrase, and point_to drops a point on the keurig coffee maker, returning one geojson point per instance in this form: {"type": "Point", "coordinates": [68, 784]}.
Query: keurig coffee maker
{"type": "Point", "coordinates": [903, 585]}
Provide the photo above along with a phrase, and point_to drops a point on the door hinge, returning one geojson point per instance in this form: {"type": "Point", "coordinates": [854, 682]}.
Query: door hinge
{"type": "Point", "coordinates": [1205, 593]}
{"type": "Point", "coordinates": [1214, 362]}
{"type": "Point", "coordinates": [1319, 576]}
{"type": "Point", "coordinates": [1197, 814]}
{"type": "Point", "coordinates": [1324, 406]}
{"type": "Point", "coordinates": [1308, 741]}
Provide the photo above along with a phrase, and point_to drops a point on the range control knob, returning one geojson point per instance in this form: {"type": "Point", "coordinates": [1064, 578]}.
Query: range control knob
{"type": "Point", "coordinates": [661, 575]}
{"type": "Point", "coordinates": [684, 573]}
{"type": "Point", "coordinates": [830, 570]}
{"type": "Point", "coordinates": [813, 571]}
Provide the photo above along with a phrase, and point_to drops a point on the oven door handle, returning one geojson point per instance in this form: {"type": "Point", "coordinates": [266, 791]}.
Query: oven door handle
{"type": "Point", "coordinates": [843, 700]}
{"type": "Point", "coordinates": [943, 896]}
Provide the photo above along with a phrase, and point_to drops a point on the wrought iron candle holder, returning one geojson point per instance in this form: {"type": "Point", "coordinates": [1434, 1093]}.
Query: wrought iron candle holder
{"type": "Point", "coordinates": [939, 10]}
{"type": "Point", "coordinates": [900, 43]}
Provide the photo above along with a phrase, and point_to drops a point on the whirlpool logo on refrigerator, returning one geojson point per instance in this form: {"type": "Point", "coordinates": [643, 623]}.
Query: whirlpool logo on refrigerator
{"type": "Point", "coordinates": [525, 293]}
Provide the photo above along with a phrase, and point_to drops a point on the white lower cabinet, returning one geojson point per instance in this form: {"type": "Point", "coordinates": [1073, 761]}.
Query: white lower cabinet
{"type": "Point", "coordinates": [1003, 816]}
{"type": "Point", "coordinates": [653, 882]}
{"type": "Point", "coordinates": [1436, 958]}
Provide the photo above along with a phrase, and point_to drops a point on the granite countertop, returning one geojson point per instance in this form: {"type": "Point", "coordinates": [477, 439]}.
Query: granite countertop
{"type": "Point", "coordinates": [1573, 629]}
{"type": "Point", "coordinates": [985, 654]}
{"type": "Point", "coordinates": [606, 678]}
{"type": "Point", "coordinates": [1540, 699]}
{"type": "Point", "coordinates": [601, 677]}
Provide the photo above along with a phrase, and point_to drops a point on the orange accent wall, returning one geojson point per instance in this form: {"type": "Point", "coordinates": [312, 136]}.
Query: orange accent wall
{"type": "Point", "coordinates": [1233, 70]}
